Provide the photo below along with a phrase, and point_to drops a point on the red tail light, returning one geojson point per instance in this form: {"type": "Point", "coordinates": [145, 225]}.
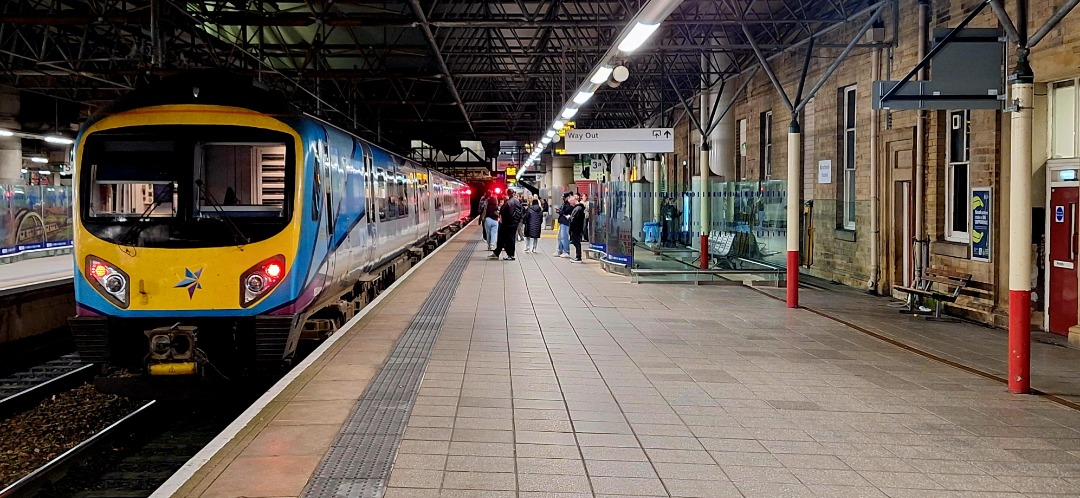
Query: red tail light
{"type": "Point", "coordinates": [260, 279]}
{"type": "Point", "coordinates": [108, 280]}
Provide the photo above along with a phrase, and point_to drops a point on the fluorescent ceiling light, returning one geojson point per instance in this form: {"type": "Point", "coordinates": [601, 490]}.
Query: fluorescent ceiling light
{"type": "Point", "coordinates": [582, 97]}
{"type": "Point", "coordinates": [23, 170]}
{"type": "Point", "coordinates": [39, 160]}
{"type": "Point", "coordinates": [546, 140]}
{"type": "Point", "coordinates": [45, 172]}
{"type": "Point", "coordinates": [550, 133]}
{"type": "Point", "coordinates": [58, 140]}
{"type": "Point", "coordinates": [568, 112]}
{"type": "Point", "coordinates": [557, 125]}
{"type": "Point", "coordinates": [6, 133]}
{"type": "Point", "coordinates": [601, 75]}
{"type": "Point", "coordinates": [637, 36]}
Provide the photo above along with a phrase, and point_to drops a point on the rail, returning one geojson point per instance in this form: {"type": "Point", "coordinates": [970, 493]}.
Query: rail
{"type": "Point", "coordinates": [34, 394]}
{"type": "Point", "coordinates": [53, 469]}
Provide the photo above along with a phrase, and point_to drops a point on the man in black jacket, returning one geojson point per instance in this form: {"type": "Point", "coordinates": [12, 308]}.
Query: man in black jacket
{"type": "Point", "coordinates": [564, 226]}
{"type": "Point", "coordinates": [509, 216]}
{"type": "Point", "coordinates": [577, 226]}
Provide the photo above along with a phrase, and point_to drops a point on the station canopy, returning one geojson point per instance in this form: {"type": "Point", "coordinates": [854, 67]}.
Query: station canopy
{"type": "Point", "coordinates": [436, 71]}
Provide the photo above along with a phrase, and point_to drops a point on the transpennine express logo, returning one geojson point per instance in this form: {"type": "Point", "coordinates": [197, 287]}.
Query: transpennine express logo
{"type": "Point", "coordinates": [191, 281]}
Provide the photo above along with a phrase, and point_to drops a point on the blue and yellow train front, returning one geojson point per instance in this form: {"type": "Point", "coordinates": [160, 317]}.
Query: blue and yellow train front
{"type": "Point", "coordinates": [188, 223]}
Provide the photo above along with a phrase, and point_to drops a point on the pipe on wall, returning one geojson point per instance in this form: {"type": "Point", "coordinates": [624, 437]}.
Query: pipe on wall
{"type": "Point", "coordinates": [920, 152]}
{"type": "Point", "coordinates": [875, 174]}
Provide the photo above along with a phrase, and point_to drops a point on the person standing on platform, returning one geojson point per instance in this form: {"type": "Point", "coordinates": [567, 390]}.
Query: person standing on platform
{"type": "Point", "coordinates": [521, 226]}
{"type": "Point", "coordinates": [481, 208]}
{"type": "Point", "coordinates": [491, 221]}
{"type": "Point", "coordinates": [564, 227]}
{"type": "Point", "coordinates": [588, 216]}
{"type": "Point", "coordinates": [577, 226]}
{"type": "Point", "coordinates": [533, 223]}
{"type": "Point", "coordinates": [509, 217]}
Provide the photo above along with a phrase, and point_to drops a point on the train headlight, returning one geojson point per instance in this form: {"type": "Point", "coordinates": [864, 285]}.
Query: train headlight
{"type": "Point", "coordinates": [108, 280]}
{"type": "Point", "coordinates": [259, 280]}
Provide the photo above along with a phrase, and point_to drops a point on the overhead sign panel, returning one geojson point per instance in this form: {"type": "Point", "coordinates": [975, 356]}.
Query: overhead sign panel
{"type": "Point", "coordinates": [620, 140]}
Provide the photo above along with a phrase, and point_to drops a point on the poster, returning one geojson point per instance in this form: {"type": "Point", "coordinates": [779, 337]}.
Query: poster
{"type": "Point", "coordinates": [980, 224]}
{"type": "Point", "coordinates": [824, 171]}
{"type": "Point", "coordinates": [34, 217]}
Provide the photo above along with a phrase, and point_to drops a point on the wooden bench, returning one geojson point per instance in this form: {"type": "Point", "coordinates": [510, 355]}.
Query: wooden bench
{"type": "Point", "coordinates": [944, 286]}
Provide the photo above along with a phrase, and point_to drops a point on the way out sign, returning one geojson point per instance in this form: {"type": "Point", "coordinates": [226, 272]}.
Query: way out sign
{"type": "Point", "coordinates": [620, 141]}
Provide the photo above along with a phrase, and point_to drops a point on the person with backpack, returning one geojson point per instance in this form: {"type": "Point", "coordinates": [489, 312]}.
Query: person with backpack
{"type": "Point", "coordinates": [533, 223]}
{"type": "Point", "coordinates": [510, 215]}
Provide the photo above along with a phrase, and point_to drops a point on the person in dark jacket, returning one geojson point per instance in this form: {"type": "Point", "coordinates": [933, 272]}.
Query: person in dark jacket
{"type": "Point", "coordinates": [509, 216]}
{"type": "Point", "coordinates": [533, 222]}
{"type": "Point", "coordinates": [577, 226]}
{"type": "Point", "coordinates": [564, 227]}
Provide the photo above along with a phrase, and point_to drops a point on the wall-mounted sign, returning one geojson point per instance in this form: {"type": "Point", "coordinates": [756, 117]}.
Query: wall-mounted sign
{"type": "Point", "coordinates": [620, 140]}
{"type": "Point", "coordinates": [824, 171]}
{"type": "Point", "coordinates": [980, 224]}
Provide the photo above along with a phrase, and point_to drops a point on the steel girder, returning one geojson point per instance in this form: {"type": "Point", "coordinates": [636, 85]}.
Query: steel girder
{"type": "Point", "coordinates": [403, 70]}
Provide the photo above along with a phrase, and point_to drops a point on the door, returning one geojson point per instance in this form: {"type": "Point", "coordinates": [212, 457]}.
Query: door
{"type": "Point", "coordinates": [901, 236]}
{"type": "Point", "coordinates": [1062, 254]}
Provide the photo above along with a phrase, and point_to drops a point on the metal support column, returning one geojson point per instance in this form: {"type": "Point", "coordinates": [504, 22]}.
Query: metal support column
{"type": "Point", "coordinates": [705, 221]}
{"type": "Point", "coordinates": [794, 187]}
{"type": "Point", "coordinates": [1022, 91]}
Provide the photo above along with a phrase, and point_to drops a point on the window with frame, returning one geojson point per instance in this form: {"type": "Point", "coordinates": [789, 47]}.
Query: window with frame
{"type": "Point", "coordinates": [1063, 119]}
{"type": "Point", "coordinates": [847, 152]}
{"type": "Point", "coordinates": [766, 145]}
{"type": "Point", "coordinates": [957, 178]}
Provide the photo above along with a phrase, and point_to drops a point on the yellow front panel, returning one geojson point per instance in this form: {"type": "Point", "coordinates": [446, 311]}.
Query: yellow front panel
{"type": "Point", "coordinates": [159, 277]}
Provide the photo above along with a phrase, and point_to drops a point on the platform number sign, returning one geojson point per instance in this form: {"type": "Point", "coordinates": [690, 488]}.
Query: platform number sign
{"type": "Point", "coordinates": [980, 224]}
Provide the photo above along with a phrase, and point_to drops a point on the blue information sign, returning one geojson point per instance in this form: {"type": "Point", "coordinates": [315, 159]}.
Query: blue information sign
{"type": "Point", "coordinates": [1059, 214]}
{"type": "Point", "coordinates": [980, 224]}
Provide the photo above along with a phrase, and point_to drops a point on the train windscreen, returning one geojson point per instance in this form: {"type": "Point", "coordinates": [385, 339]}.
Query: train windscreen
{"type": "Point", "coordinates": [186, 186]}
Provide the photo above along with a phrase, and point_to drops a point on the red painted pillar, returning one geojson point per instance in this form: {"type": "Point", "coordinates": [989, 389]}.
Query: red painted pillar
{"type": "Point", "coordinates": [1020, 228]}
{"type": "Point", "coordinates": [794, 186]}
{"type": "Point", "coordinates": [704, 251]}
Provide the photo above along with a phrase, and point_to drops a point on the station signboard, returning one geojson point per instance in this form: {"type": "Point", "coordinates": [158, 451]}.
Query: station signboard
{"type": "Point", "coordinates": [620, 141]}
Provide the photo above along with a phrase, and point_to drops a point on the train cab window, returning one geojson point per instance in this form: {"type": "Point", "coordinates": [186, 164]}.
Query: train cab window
{"type": "Point", "coordinates": [242, 179]}
{"type": "Point", "coordinates": [186, 186]}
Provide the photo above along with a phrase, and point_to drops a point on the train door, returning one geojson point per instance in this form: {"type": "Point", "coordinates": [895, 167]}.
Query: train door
{"type": "Point", "coordinates": [1062, 247]}
{"type": "Point", "coordinates": [330, 183]}
{"type": "Point", "coordinates": [370, 207]}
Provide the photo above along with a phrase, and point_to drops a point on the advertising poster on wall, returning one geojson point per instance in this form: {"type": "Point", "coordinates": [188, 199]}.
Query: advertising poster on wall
{"type": "Point", "coordinates": [34, 218]}
{"type": "Point", "coordinates": [980, 224]}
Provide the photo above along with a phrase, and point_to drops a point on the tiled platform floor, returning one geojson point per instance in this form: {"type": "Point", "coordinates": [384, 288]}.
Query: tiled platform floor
{"type": "Point", "coordinates": [554, 379]}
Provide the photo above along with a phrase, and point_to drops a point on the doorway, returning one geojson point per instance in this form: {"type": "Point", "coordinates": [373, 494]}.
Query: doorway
{"type": "Point", "coordinates": [1062, 247]}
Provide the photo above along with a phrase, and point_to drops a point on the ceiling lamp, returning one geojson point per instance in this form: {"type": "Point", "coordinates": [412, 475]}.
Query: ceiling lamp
{"type": "Point", "coordinates": [550, 133]}
{"type": "Point", "coordinates": [6, 133]}
{"type": "Point", "coordinates": [54, 139]}
{"type": "Point", "coordinates": [637, 36]}
{"type": "Point", "coordinates": [601, 74]}
{"type": "Point", "coordinates": [557, 125]}
{"type": "Point", "coordinates": [582, 97]}
{"type": "Point", "coordinates": [39, 160]}
{"type": "Point", "coordinates": [569, 112]}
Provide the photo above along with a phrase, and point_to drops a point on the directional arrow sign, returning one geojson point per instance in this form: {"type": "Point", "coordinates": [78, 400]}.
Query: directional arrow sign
{"type": "Point", "coordinates": [620, 140]}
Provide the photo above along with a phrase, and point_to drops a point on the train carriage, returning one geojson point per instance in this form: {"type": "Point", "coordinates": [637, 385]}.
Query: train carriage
{"type": "Point", "coordinates": [214, 223]}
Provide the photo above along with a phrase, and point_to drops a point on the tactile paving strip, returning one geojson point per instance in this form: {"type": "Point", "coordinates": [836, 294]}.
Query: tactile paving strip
{"type": "Point", "coordinates": [359, 461]}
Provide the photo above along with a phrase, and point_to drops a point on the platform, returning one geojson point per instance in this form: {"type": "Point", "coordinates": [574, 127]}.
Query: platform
{"type": "Point", "coordinates": [35, 273]}
{"type": "Point", "coordinates": [539, 377]}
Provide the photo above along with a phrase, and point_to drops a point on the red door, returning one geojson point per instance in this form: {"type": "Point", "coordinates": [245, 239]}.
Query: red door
{"type": "Point", "coordinates": [1063, 251]}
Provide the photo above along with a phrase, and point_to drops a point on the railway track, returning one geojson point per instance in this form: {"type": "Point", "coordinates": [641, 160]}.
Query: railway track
{"type": "Point", "coordinates": [26, 389]}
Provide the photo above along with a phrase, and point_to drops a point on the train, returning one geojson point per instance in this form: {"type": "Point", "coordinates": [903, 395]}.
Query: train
{"type": "Point", "coordinates": [216, 226]}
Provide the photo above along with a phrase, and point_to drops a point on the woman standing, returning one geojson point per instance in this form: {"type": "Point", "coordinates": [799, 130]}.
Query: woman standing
{"type": "Point", "coordinates": [533, 223]}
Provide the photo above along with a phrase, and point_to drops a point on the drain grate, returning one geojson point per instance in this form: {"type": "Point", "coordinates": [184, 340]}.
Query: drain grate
{"type": "Point", "coordinates": [359, 461]}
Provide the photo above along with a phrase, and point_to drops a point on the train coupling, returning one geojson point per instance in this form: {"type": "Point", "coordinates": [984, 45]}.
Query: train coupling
{"type": "Point", "coordinates": [173, 350]}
